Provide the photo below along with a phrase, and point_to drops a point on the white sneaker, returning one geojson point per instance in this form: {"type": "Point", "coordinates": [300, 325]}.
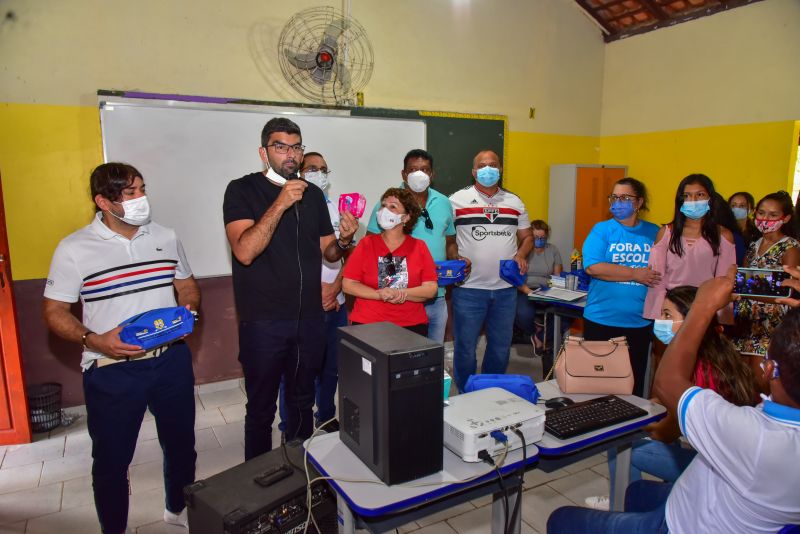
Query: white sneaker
{"type": "Point", "coordinates": [598, 502]}
{"type": "Point", "coordinates": [181, 519]}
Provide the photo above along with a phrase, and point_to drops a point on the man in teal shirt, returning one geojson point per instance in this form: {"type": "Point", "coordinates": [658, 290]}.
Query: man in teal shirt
{"type": "Point", "coordinates": [433, 226]}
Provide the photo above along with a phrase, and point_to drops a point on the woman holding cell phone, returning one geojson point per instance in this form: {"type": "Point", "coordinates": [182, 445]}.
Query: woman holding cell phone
{"type": "Point", "coordinates": [757, 317]}
{"type": "Point", "coordinates": [392, 274]}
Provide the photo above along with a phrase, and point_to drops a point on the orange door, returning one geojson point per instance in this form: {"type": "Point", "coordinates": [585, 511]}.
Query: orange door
{"type": "Point", "coordinates": [14, 425]}
{"type": "Point", "coordinates": [592, 187]}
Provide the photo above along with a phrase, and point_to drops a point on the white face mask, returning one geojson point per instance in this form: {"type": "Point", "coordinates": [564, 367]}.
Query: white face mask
{"type": "Point", "coordinates": [275, 177]}
{"type": "Point", "coordinates": [388, 220]}
{"type": "Point", "coordinates": [137, 211]}
{"type": "Point", "coordinates": [418, 181]}
{"type": "Point", "coordinates": [318, 178]}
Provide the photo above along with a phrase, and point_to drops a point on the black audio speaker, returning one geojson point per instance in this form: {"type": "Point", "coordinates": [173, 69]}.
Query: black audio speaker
{"type": "Point", "coordinates": [391, 407]}
{"type": "Point", "coordinates": [266, 495]}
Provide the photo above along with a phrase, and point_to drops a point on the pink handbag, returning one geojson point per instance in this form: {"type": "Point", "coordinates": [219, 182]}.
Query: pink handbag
{"type": "Point", "coordinates": [598, 367]}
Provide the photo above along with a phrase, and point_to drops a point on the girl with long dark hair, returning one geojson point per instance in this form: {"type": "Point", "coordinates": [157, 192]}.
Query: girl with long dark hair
{"type": "Point", "coordinates": [693, 247]}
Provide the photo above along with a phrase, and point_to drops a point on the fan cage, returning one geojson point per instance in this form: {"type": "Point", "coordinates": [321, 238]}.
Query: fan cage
{"type": "Point", "coordinates": [304, 34]}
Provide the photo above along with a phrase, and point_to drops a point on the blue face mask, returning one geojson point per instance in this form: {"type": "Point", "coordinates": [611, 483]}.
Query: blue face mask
{"type": "Point", "coordinates": [739, 213]}
{"type": "Point", "coordinates": [695, 209]}
{"type": "Point", "coordinates": [488, 176]}
{"type": "Point", "coordinates": [540, 242]}
{"type": "Point", "coordinates": [621, 210]}
{"type": "Point", "coordinates": [662, 328]}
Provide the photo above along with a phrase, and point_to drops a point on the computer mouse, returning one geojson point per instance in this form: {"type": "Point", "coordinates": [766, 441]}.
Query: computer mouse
{"type": "Point", "coordinates": [558, 402]}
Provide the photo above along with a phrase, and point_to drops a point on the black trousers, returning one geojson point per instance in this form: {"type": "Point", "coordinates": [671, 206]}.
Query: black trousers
{"type": "Point", "coordinates": [638, 346]}
{"type": "Point", "coordinates": [117, 397]}
{"type": "Point", "coordinates": [268, 350]}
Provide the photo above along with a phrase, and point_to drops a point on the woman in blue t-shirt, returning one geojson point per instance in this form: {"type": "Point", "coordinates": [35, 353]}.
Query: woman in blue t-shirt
{"type": "Point", "coordinates": [615, 255]}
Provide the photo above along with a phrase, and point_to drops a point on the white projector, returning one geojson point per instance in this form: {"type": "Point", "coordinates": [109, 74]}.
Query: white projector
{"type": "Point", "coordinates": [472, 417]}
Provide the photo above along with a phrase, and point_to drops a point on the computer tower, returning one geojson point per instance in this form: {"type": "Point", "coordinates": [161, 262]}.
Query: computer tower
{"type": "Point", "coordinates": [390, 400]}
{"type": "Point", "coordinates": [265, 495]}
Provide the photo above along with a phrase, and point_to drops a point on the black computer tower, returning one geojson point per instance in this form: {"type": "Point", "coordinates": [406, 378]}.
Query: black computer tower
{"type": "Point", "coordinates": [265, 495]}
{"type": "Point", "coordinates": [390, 400]}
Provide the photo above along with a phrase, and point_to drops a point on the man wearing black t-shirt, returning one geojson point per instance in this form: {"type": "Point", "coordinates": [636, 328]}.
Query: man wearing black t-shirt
{"type": "Point", "coordinates": [279, 228]}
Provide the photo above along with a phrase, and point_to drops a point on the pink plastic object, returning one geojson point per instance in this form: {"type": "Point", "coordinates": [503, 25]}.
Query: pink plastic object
{"type": "Point", "coordinates": [355, 203]}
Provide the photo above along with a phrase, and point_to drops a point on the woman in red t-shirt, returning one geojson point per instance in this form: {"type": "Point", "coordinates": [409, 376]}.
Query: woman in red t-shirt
{"type": "Point", "coordinates": [392, 274]}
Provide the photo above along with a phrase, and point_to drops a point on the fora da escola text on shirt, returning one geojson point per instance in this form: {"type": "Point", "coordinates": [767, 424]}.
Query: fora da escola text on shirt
{"type": "Point", "coordinates": [630, 254]}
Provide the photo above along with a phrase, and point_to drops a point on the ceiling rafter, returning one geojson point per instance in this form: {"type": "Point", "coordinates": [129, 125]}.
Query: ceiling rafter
{"type": "Point", "coordinates": [623, 18]}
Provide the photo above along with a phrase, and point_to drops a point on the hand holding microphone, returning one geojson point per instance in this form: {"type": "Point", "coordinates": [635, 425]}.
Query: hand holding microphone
{"type": "Point", "coordinates": [291, 193]}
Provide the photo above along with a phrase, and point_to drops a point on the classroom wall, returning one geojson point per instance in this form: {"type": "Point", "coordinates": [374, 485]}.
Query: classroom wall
{"type": "Point", "coordinates": [500, 57]}
{"type": "Point", "coordinates": [735, 67]}
{"type": "Point", "coordinates": [749, 157]}
{"type": "Point", "coordinates": [716, 95]}
{"type": "Point", "coordinates": [528, 161]}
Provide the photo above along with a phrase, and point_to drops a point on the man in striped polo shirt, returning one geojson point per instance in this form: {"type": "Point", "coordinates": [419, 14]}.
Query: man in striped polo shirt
{"type": "Point", "coordinates": [121, 265]}
{"type": "Point", "coordinates": [491, 225]}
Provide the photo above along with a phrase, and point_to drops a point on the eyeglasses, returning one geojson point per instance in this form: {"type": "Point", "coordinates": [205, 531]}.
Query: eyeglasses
{"type": "Point", "coordinates": [281, 148]}
{"type": "Point", "coordinates": [428, 221]}
{"type": "Point", "coordinates": [314, 168]}
{"type": "Point", "coordinates": [391, 270]}
{"type": "Point", "coordinates": [622, 198]}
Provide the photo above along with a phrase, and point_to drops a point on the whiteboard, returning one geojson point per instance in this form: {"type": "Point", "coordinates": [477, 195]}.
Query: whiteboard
{"type": "Point", "coordinates": [189, 152]}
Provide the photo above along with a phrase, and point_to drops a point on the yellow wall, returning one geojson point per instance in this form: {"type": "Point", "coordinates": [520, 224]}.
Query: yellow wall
{"type": "Point", "coordinates": [528, 160]}
{"type": "Point", "coordinates": [751, 157]}
{"type": "Point", "coordinates": [47, 153]}
{"type": "Point", "coordinates": [735, 67]}
{"type": "Point", "coordinates": [500, 57]}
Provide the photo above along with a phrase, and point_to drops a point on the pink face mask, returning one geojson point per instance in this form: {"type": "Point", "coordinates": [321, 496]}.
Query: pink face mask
{"type": "Point", "coordinates": [766, 226]}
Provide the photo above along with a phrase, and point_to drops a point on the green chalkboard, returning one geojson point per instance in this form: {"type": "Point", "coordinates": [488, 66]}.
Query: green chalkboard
{"type": "Point", "coordinates": [453, 140]}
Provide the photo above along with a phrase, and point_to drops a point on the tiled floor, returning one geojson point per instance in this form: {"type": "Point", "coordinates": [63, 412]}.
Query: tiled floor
{"type": "Point", "coordinates": [45, 486]}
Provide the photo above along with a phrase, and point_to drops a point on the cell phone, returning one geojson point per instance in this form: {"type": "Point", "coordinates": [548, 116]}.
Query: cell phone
{"type": "Point", "coordinates": [761, 283]}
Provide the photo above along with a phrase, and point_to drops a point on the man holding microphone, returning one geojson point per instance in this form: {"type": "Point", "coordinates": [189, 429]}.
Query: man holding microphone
{"type": "Point", "coordinates": [279, 230]}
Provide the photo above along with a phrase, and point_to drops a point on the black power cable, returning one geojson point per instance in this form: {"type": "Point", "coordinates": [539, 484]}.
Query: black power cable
{"type": "Point", "coordinates": [484, 455]}
{"type": "Point", "coordinates": [516, 511]}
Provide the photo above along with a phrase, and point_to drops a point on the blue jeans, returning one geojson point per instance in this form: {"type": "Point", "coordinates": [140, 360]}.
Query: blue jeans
{"type": "Point", "coordinates": [325, 383]}
{"type": "Point", "coordinates": [526, 314]}
{"type": "Point", "coordinates": [436, 309]}
{"type": "Point", "coordinates": [116, 399]}
{"type": "Point", "coordinates": [645, 503]}
{"type": "Point", "coordinates": [474, 309]}
{"type": "Point", "coordinates": [664, 460]}
{"type": "Point", "coordinates": [268, 351]}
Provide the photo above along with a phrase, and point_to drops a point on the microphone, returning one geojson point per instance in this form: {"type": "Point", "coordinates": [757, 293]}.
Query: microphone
{"type": "Point", "coordinates": [295, 176]}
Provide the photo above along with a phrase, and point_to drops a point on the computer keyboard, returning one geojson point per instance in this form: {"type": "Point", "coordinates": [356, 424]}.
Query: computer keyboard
{"type": "Point", "coordinates": [582, 417]}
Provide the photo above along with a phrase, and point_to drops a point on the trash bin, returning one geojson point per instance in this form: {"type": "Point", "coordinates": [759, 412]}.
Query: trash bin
{"type": "Point", "coordinates": [44, 404]}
